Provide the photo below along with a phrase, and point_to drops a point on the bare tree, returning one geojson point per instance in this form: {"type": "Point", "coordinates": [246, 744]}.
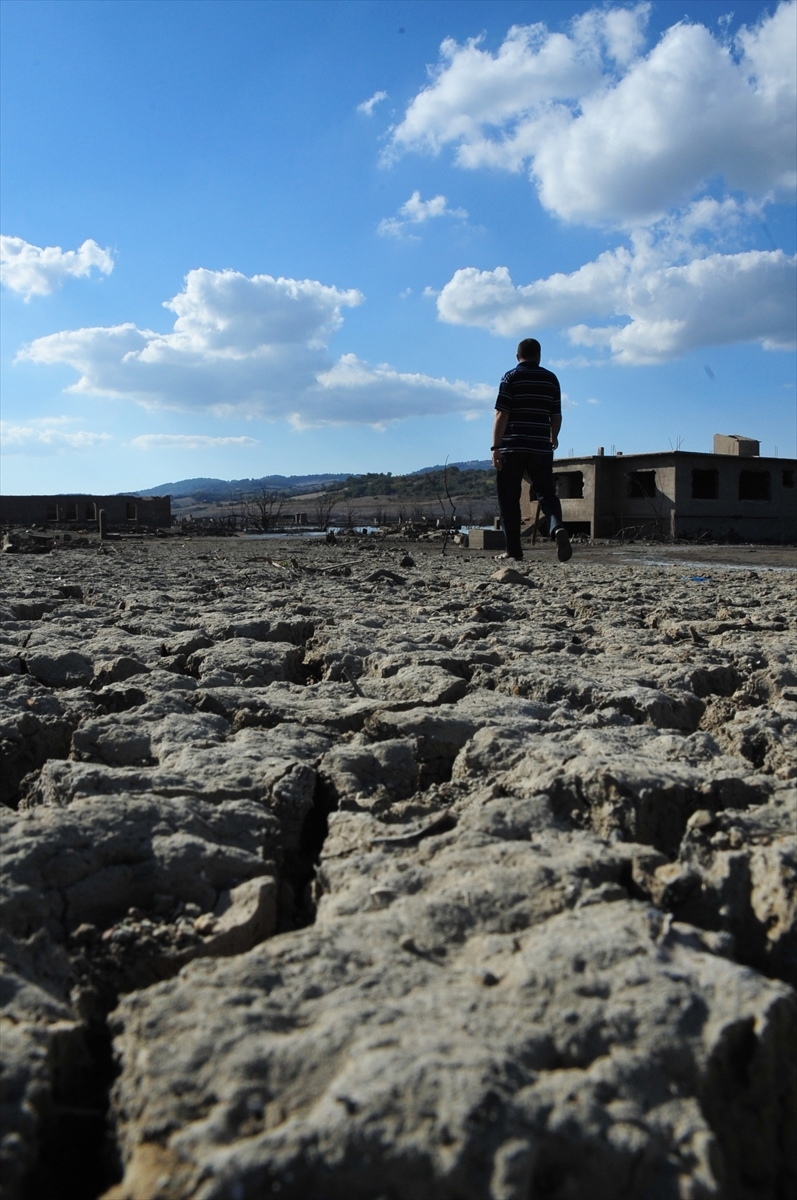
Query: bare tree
{"type": "Point", "coordinates": [323, 505]}
{"type": "Point", "coordinates": [236, 513]}
{"type": "Point", "coordinates": [448, 520]}
{"type": "Point", "coordinates": [263, 509]}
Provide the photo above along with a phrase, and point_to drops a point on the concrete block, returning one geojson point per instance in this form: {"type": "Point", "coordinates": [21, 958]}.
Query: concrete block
{"type": "Point", "coordinates": [487, 539]}
{"type": "Point", "coordinates": [734, 443]}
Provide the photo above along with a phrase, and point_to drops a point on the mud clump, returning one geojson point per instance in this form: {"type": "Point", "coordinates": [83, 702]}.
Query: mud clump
{"type": "Point", "coordinates": [357, 875]}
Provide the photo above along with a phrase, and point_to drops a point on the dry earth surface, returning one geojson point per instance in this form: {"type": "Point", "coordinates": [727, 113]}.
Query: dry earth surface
{"type": "Point", "coordinates": [353, 877]}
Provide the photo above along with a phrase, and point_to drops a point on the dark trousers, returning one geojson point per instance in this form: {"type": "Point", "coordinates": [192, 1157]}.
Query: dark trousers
{"type": "Point", "coordinates": [539, 468]}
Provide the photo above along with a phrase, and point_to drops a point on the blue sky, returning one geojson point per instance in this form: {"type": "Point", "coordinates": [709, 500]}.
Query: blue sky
{"type": "Point", "coordinates": [249, 238]}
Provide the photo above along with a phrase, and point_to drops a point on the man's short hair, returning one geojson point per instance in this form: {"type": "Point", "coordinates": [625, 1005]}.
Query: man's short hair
{"type": "Point", "coordinates": [529, 348]}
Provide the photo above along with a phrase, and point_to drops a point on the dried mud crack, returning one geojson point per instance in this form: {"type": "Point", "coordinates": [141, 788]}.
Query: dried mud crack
{"type": "Point", "coordinates": [324, 878]}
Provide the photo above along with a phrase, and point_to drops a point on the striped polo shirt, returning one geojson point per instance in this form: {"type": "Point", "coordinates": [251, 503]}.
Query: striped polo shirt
{"type": "Point", "coordinates": [531, 396]}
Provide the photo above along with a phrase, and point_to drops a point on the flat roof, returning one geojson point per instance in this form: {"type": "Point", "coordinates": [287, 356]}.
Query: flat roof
{"type": "Point", "coordinates": [673, 454]}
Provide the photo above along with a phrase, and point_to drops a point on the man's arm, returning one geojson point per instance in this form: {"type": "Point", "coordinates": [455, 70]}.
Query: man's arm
{"type": "Point", "coordinates": [556, 425]}
{"type": "Point", "coordinates": [499, 429]}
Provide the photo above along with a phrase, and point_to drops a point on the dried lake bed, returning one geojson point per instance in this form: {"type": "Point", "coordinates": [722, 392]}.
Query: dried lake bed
{"type": "Point", "coordinates": [360, 871]}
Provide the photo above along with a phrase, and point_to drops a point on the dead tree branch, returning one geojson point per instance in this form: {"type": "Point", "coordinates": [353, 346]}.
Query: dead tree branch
{"type": "Point", "coordinates": [263, 509]}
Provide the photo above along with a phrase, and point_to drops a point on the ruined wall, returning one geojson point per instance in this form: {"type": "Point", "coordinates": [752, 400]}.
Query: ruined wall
{"type": "Point", "coordinates": [578, 512]}
{"type": "Point", "coordinates": [685, 495]}
{"type": "Point", "coordinates": [636, 493]}
{"type": "Point", "coordinates": [770, 516]}
{"type": "Point", "coordinates": [75, 509]}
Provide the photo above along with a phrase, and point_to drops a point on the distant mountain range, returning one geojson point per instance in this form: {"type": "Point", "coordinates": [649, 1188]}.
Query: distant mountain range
{"type": "Point", "coordinates": [227, 487]}
{"type": "Point", "coordinates": [473, 464]}
{"type": "Point", "coordinates": [222, 489]}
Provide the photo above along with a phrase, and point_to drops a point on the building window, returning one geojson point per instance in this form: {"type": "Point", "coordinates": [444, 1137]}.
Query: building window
{"type": "Point", "coordinates": [569, 485]}
{"type": "Point", "coordinates": [132, 512]}
{"type": "Point", "coordinates": [52, 512]}
{"type": "Point", "coordinates": [91, 511]}
{"type": "Point", "coordinates": [71, 511]}
{"type": "Point", "coordinates": [705, 484]}
{"type": "Point", "coordinates": [641, 484]}
{"type": "Point", "coordinates": [754, 485]}
{"type": "Point", "coordinates": [788, 478]}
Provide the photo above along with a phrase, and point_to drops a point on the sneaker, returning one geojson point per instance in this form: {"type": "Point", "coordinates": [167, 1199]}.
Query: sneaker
{"type": "Point", "coordinates": [511, 557]}
{"type": "Point", "coordinates": [564, 551]}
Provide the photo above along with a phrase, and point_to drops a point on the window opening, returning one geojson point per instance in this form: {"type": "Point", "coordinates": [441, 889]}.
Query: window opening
{"type": "Point", "coordinates": [91, 511]}
{"type": "Point", "coordinates": [132, 512]}
{"type": "Point", "coordinates": [788, 478]}
{"type": "Point", "coordinates": [71, 510]}
{"type": "Point", "coordinates": [579, 528]}
{"type": "Point", "coordinates": [705, 484]}
{"type": "Point", "coordinates": [754, 485]}
{"type": "Point", "coordinates": [641, 484]}
{"type": "Point", "coordinates": [52, 512]}
{"type": "Point", "coordinates": [569, 485]}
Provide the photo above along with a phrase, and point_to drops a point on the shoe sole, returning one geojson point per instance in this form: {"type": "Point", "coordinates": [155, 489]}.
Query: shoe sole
{"type": "Point", "coordinates": [564, 551]}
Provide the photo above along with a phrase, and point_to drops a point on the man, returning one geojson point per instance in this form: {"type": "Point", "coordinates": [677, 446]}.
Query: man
{"type": "Point", "coordinates": [528, 418]}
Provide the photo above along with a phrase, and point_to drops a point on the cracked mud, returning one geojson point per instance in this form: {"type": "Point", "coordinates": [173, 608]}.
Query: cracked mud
{"type": "Point", "coordinates": [342, 875]}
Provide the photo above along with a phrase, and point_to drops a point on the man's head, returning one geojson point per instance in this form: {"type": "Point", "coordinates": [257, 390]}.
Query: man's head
{"type": "Point", "coordinates": [529, 350]}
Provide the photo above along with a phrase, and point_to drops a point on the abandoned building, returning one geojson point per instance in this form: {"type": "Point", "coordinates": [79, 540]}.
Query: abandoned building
{"type": "Point", "coordinates": [82, 512]}
{"type": "Point", "coordinates": [732, 493]}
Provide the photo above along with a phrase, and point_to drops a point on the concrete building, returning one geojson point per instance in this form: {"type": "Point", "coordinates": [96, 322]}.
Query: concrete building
{"type": "Point", "coordinates": [732, 493]}
{"type": "Point", "coordinates": [82, 512]}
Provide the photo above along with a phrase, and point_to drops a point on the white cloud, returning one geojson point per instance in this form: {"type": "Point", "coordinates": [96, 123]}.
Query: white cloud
{"type": "Point", "coordinates": [187, 441]}
{"type": "Point", "coordinates": [369, 105]}
{"type": "Point", "coordinates": [352, 386]}
{"type": "Point", "coordinates": [592, 400]}
{"type": "Point", "coordinates": [615, 132]}
{"type": "Point", "coordinates": [46, 435]}
{"type": "Point", "coordinates": [580, 360]}
{"type": "Point", "coordinates": [665, 310]}
{"type": "Point", "coordinates": [417, 212]}
{"type": "Point", "coordinates": [37, 271]}
{"type": "Point", "coordinates": [253, 347]}
{"type": "Point", "coordinates": [609, 134]}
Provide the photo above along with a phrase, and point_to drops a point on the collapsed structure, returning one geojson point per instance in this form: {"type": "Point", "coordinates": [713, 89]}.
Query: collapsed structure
{"type": "Point", "coordinates": [730, 493]}
{"type": "Point", "coordinates": [82, 511]}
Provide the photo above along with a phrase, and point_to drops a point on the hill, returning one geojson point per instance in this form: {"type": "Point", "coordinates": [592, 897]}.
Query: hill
{"type": "Point", "coordinates": [226, 489]}
{"type": "Point", "coordinates": [422, 485]}
{"type": "Point", "coordinates": [472, 478]}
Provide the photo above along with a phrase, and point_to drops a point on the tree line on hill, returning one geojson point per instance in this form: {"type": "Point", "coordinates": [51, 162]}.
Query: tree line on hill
{"type": "Point", "coordinates": [444, 493]}
{"type": "Point", "coordinates": [427, 485]}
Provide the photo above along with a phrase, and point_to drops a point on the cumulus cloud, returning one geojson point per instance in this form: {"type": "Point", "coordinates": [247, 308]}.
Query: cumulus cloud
{"type": "Point", "coordinates": [47, 435]}
{"type": "Point", "coordinates": [369, 105]}
{"type": "Point", "coordinates": [253, 347]}
{"type": "Point", "coordinates": [351, 385]}
{"type": "Point", "coordinates": [37, 271]}
{"type": "Point", "coordinates": [609, 133]}
{"type": "Point", "coordinates": [416, 211]}
{"type": "Point", "coordinates": [655, 310]}
{"type": "Point", "coordinates": [187, 441]}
